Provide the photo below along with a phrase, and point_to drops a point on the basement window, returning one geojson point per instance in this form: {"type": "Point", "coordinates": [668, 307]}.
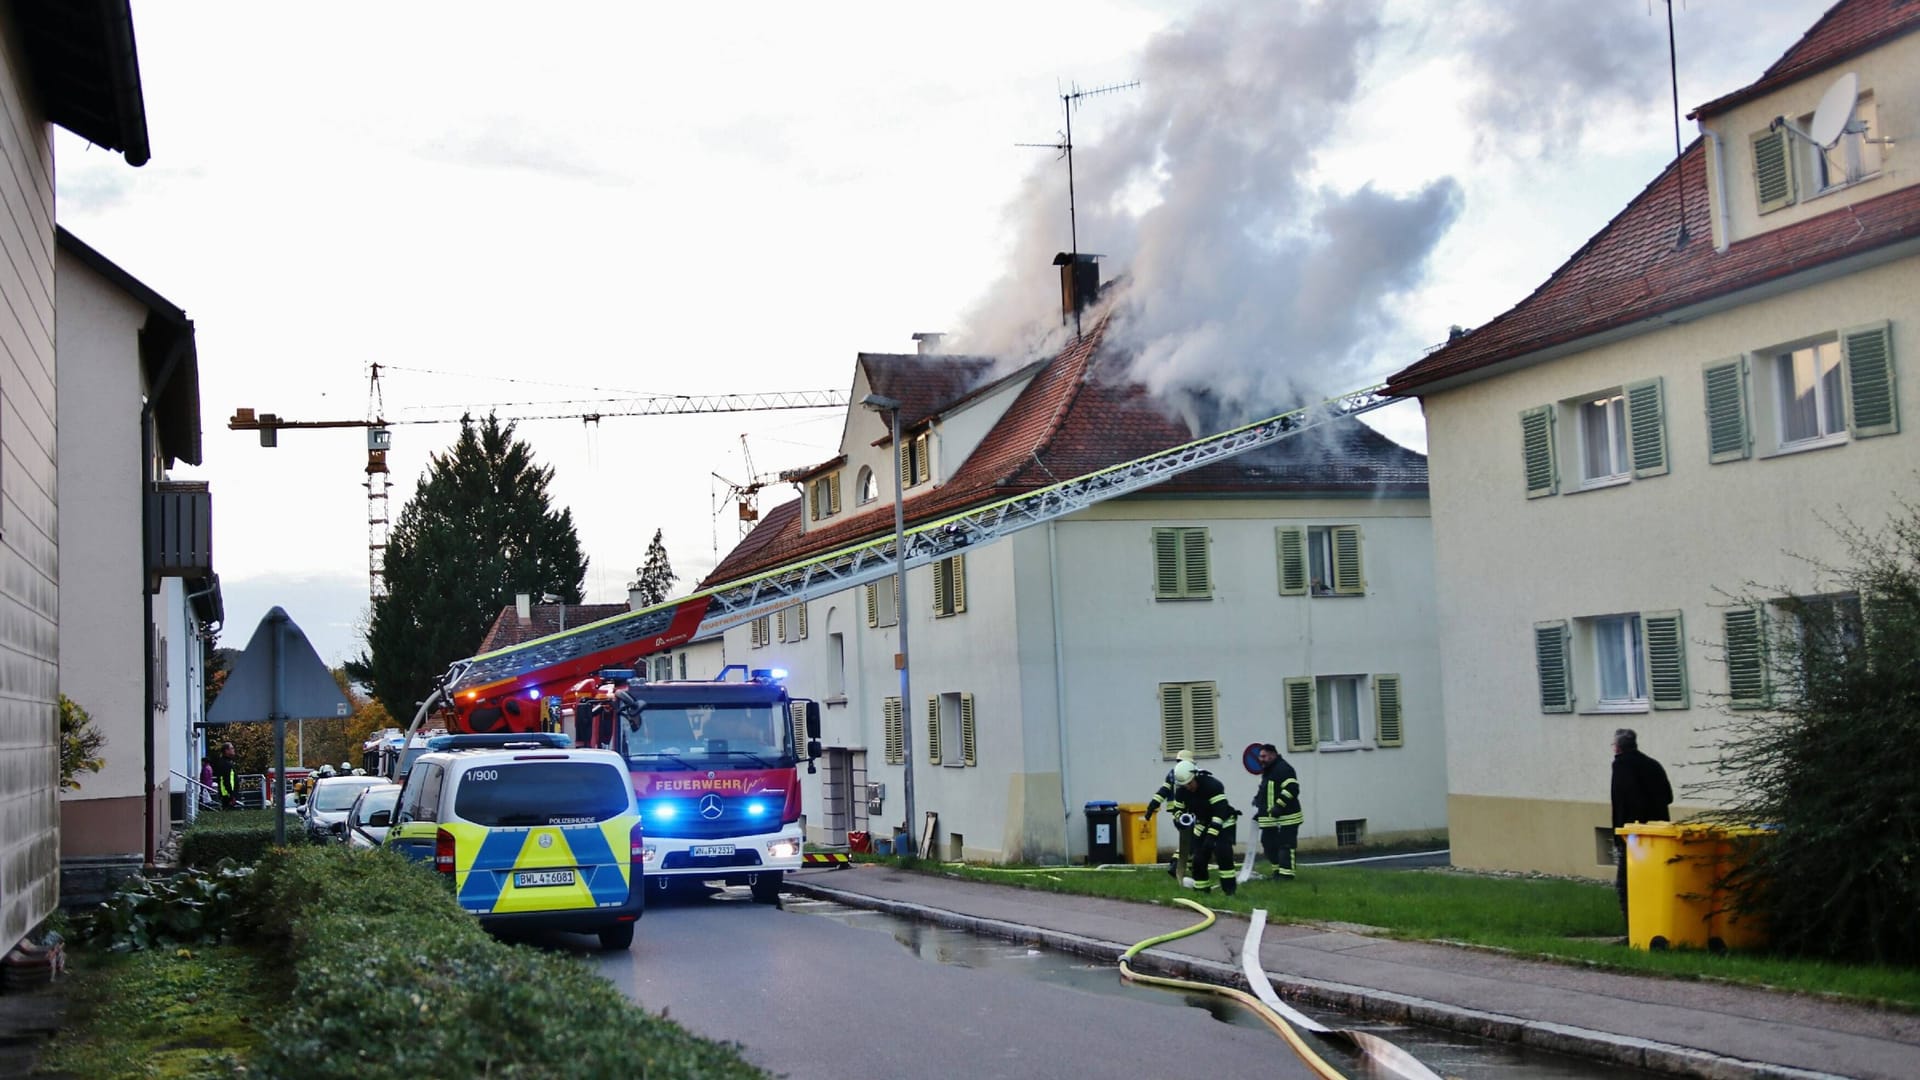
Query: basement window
{"type": "Point", "coordinates": [1351, 833]}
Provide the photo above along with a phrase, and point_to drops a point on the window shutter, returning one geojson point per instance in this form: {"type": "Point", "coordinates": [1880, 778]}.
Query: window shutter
{"type": "Point", "coordinates": [959, 583]}
{"type": "Point", "coordinates": [1166, 564]}
{"type": "Point", "coordinates": [800, 617]}
{"type": "Point", "coordinates": [1195, 571]}
{"type": "Point", "coordinates": [969, 743]}
{"type": "Point", "coordinates": [1727, 432]}
{"type": "Point", "coordinates": [780, 624]}
{"type": "Point", "coordinates": [933, 729]}
{"type": "Point", "coordinates": [1348, 580]}
{"type": "Point", "coordinates": [1173, 729]}
{"type": "Point", "coordinates": [1746, 658]}
{"type": "Point", "coordinates": [1772, 170]}
{"type": "Point", "coordinates": [1300, 724]}
{"type": "Point", "coordinates": [1203, 719]}
{"type": "Point", "coordinates": [1536, 452]}
{"type": "Point", "coordinates": [1292, 543]}
{"type": "Point", "coordinates": [833, 494]}
{"type": "Point", "coordinates": [896, 735]}
{"type": "Point", "coordinates": [1386, 710]}
{"type": "Point", "coordinates": [760, 632]}
{"type": "Point", "coordinates": [1867, 352]}
{"type": "Point", "coordinates": [1666, 648]}
{"type": "Point", "coordinates": [940, 588]}
{"type": "Point", "coordinates": [906, 465]}
{"type": "Point", "coordinates": [1551, 654]}
{"type": "Point", "coordinates": [873, 605]}
{"type": "Point", "coordinates": [813, 501]}
{"type": "Point", "coordinates": [922, 464]}
{"type": "Point", "coordinates": [1647, 427]}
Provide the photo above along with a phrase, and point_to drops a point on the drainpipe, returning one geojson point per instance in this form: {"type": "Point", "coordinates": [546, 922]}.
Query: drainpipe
{"type": "Point", "coordinates": [147, 480]}
{"type": "Point", "coordinates": [1717, 190]}
{"type": "Point", "coordinates": [1059, 690]}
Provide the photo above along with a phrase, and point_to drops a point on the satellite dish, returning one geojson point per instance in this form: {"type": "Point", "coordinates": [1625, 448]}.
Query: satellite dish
{"type": "Point", "coordinates": [1836, 110]}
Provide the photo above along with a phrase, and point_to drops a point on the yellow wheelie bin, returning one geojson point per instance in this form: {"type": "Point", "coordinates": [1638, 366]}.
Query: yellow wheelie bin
{"type": "Point", "coordinates": [1671, 871]}
{"type": "Point", "coordinates": [1735, 929]}
{"type": "Point", "coordinates": [1139, 839]}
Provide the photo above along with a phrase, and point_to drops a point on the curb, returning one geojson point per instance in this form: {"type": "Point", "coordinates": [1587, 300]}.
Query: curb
{"type": "Point", "coordinates": [1665, 1058]}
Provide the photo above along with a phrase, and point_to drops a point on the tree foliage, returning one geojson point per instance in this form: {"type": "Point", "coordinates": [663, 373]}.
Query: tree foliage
{"type": "Point", "coordinates": [1830, 766]}
{"type": "Point", "coordinates": [80, 744]}
{"type": "Point", "coordinates": [655, 576]}
{"type": "Point", "coordinates": [478, 529]}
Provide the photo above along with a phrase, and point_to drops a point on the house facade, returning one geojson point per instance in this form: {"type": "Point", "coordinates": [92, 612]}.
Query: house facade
{"type": "Point", "coordinates": [1285, 596]}
{"type": "Point", "coordinates": [118, 339]}
{"type": "Point", "coordinates": [71, 65]}
{"type": "Point", "coordinates": [1672, 421]}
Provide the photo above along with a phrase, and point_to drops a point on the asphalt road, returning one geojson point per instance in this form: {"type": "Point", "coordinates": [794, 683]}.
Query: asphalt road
{"type": "Point", "coordinates": [816, 997]}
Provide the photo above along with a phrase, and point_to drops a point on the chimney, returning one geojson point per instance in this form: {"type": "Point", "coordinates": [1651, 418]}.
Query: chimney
{"type": "Point", "coordinates": [928, 342]}
{"type": "Point", "coordinates": [1079, 282]}
{"type": "Point", "coordinates": [634, 601]}
{"type": "Point", "coordinates": [523, 606]}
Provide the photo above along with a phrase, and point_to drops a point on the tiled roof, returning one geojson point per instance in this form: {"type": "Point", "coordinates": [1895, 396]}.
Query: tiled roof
{"type": "Point", "coordinates": [1078, 415]}
{"type": "Point", "coordinates": [922, 383]}
{"type": "Point", "coordinates": [1630, 272]}
{"type": "Point", "coordinates": [1846, 30]}
{"type": "Point", "coordinates": [507, 629]}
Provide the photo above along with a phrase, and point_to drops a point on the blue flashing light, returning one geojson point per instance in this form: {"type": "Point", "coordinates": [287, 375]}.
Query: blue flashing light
{"type": "Point", "coordinates": [756, 809]}
{"type": "Point", "coordinates": [533, 693]}
{"type": "Point", "coordinates": [665, 811]}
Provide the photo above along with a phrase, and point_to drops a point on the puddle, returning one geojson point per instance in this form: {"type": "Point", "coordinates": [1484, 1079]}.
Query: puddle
{"type": "Point", "coordinates": [1444, 1052]}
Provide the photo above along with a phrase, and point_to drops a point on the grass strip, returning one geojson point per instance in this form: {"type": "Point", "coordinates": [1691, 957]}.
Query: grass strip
{"type": "Point", "coordinates": [166, 1014]}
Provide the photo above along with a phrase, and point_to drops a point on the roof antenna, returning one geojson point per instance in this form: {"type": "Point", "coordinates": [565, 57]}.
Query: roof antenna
{"type": "Point", "coordinates": [1679, 160]}
{"type": "Point", "coordinates": [1065, 145]}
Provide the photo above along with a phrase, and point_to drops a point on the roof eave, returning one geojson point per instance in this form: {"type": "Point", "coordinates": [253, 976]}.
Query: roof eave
{"type": "Point", "coordinates": [86, 70]}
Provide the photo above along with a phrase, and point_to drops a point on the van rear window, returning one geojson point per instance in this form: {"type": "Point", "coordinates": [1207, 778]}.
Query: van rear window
{"type": "Point", "coordinates": [542, 793]}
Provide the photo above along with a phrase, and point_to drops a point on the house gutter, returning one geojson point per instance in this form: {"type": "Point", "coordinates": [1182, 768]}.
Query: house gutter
{"type": "Point", "coordinates": [1059, 688]}
{"type": "Point", "coordinates": [154, 392]}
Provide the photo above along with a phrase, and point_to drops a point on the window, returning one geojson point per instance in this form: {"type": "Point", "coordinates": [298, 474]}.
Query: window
{"type": "Point", "coordinates": [1637, 661]}
{"type": "Point", "coordinates": [823, 496]}
{"type": "Point", "coordinates": [660, 668]}
{"type": "Point", "coordinates": [1188, 720]}
{"type": "Point", "coordinates": [950, 586]}
{"type": "Point", "coordinates": [542, 793]}
{"type": "Point", "coordinates": [1817, 392]}
{"type": "Point", "coordinates": [791, 623]}
{"type": "Point", "coordinates": [883, 607]}
{"type": "Point", "coordinates": [1350, 833]}
{"type": "Point", "coordinates": [683, 665]}
{"type": "Point", "coordinates": [761, 631]}
{"type": "Point", "coordinates": [1323, 560]}
{"type": "Point", "coordinates": [1603, 439]}
{"type": "Point", "coordinates": [1340, 712]}
{"type": "Point", "coordinates": [1619, 674]}
{"type": "Point", "coordinates": [1854, 157]}
{"type": "Point", "coordinates": [836, 665]}
{"type": "Point", "coordinates": [1616, 435]}
{"type": "Point", "coordinates": [420, 799]}
{"type": "Point", "coordinates": [1822, 632]}
{"type": "Point", "coordinates": [915, 465]}
{"type": "Point", "coordinates": [1807, 391]}
{"type": "Point", "coordinates": [866, 486]}
{"type": "Point", "coordinates": [950, 731]}
{"type": "Point", "coordinates": [1337, 700]}
{"type": "Point", "coordinates": [895, 732]}
{"type": "Point", "coordinates": [1180, 565]}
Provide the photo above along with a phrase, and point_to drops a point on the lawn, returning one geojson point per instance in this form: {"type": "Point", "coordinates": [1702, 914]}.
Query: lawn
{"type": "Point", "coordinates": [162, 1014]}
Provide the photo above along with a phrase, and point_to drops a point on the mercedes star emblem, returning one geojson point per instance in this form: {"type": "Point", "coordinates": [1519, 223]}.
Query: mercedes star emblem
{"type": "Point", "coordinates": [709, 806]}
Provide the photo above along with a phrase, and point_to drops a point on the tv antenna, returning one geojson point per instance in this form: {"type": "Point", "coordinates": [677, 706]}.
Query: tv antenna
{"type": "Point", "coordinates": [1064, 144]}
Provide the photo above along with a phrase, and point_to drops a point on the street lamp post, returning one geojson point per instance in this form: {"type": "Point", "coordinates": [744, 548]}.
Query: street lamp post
{"type": "Point", "coordinates": [891, 406]}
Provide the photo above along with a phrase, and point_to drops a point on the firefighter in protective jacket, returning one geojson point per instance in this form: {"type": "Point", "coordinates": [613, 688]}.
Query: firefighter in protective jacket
{"type": "Point", "coordinates": [1276, 808]}
{"type": "Point", "coordinates": [1213, 826]}
{"type": "Point", "coordinates": [1170, 796]}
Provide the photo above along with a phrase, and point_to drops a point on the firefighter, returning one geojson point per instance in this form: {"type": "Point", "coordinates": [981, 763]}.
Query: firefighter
{"type": "Point", "coordinates": [226, 776]}
{"type": "Point", "coordinates": [1213, 826]}
{"type": "Point", "coordinates": [1169, 796]}
{"type": "Point", "coordinates": [1276, 806]}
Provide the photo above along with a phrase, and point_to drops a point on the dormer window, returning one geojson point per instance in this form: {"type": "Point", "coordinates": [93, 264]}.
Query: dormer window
{"type": "Point", "coordinates": [823, 496]}
{"type": "Point", "coordinates": [867, 486]}
{"type": "Point", "coordinates": [1855, 157]}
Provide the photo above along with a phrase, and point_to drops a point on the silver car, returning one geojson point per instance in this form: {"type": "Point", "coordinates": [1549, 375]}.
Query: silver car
{"type": "Point", "coordinates": [370, 815]}
{"type": "Point", "coordinates": [328, 803]}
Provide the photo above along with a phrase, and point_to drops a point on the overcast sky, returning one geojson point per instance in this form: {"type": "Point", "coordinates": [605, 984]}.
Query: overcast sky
{"type": "Point", "coordinates": [546, 208]}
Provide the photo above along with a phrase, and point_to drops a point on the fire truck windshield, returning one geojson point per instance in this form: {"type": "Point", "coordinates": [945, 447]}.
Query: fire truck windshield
{"type": "Point", "coordinates": [705, 737]}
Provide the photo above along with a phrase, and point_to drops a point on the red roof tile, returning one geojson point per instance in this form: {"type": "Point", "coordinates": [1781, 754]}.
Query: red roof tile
{"type": "Point", "coordinates": [1630, 272]}
{"type": "Point", "coordinates": [507, 629]}
{"type": "Point", "coordinates": [923, 383]}
{"type": "Point", "coordinates": [1847, 29]}
{"type": "Point", "coordinates": [1079, 415]}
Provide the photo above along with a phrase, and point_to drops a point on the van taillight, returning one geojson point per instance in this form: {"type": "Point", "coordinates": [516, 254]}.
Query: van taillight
{"type": "Point", "coordinates": [636, 843]}
{"type": "Point", "coordinates": [443, 851]}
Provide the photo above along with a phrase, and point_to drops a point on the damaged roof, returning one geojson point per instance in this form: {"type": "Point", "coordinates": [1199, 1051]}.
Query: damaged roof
{"type": "Point", "coordinates": [508, 629]}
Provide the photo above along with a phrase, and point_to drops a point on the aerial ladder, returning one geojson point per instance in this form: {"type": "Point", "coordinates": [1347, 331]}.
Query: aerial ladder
{"type": "Point", "coordinates": [516, 678]}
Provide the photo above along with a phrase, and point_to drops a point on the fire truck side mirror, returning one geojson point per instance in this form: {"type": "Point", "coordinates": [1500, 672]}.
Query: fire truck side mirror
{"type": "Point", "coordinates": [813, 727]}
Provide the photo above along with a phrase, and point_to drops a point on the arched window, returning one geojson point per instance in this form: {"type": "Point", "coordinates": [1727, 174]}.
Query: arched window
{"type": "Point", "coordinates": [868, 487]}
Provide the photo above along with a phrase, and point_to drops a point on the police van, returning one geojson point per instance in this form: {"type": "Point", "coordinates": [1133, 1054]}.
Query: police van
{"type": "Point", "coordinates": [534, 834]}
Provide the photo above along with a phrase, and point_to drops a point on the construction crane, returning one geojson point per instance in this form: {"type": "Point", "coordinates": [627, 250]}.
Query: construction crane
{"type": "Point", "coordinates": [380, 439]}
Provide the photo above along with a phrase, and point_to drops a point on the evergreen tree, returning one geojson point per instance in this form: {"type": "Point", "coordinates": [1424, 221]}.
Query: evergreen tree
{"type": "Point", "coordinates": [478, 530]}
{"type": "Point", "coordinates": [655, 575]}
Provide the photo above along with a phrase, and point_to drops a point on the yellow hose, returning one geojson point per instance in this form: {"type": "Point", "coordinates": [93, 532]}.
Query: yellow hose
{"type": "Point", "coordinates": [1272, 1019]}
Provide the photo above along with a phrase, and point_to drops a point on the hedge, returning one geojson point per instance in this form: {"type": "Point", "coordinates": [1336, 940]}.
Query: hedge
{"type": "Point", "coordinates": [393, 979]}
{"type": "Point", "coordinates": [241, 835]}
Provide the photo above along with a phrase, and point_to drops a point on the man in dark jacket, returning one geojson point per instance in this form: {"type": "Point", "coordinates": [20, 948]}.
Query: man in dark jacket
{"type": "Point", "coordinates": [226, 777]}
{"type": "Point", "coordinates": [1170, 796]}
{"type": "Point", "coordinates": [1276, 809]}
{"type": "Point", "coordinates": [1640, 793]}
{"type": "Point", "coordinates": [1213, 826]}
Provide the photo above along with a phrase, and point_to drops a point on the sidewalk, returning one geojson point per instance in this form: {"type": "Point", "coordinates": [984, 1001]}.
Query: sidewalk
{"type": "Point", "coordinates": [1680, 1028]}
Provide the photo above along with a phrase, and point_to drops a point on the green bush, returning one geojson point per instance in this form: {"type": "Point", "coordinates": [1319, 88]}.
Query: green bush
{"type": "Point", "coordinates": [192, 907]}
{"type": "Point", "coordinates": [241, 835]}
{"type": "Point", "coordinates": [392, 979]}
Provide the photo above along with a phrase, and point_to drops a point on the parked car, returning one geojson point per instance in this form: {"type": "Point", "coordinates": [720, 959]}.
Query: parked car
{"type": "Point", "coordinates": [328, 803]}
{"type": "Point", "coordinates": [535, 836]}
{"type": "Point", "coordinates": [366, 822]}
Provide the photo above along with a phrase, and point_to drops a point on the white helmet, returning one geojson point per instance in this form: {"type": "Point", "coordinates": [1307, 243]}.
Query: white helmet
{"type": "Point", "coordinates": [1184, 772]}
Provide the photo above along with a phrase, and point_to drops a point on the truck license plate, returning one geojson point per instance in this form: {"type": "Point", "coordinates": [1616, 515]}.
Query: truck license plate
{"type": "Point", "coordinates": [707, 851]}
{"type": "Point", "coordinates": [527, 879]}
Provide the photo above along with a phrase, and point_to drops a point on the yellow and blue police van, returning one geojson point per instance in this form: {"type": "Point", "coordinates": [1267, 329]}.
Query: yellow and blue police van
{"type": "Point", "coordinates": [534, 833]}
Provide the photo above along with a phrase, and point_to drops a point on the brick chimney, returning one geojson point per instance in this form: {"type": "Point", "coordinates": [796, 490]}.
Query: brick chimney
{"type": "Point", "coordinates": [927, 342]}
{"type": "Point", "coordinates": [1079, 282]}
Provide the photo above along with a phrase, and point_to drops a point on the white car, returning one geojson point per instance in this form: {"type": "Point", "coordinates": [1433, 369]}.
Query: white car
{"type": "Point", "coordinates": [372, 812]}
{"type": "Point", "coordinates": [328, 803]}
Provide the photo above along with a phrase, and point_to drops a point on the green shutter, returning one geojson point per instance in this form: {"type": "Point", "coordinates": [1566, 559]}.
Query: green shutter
{"type": "Point", "coordinates": [1203, 719]}
{"type": "Point", "coordinates": [922, 461]}
{"type": "Point", "coordinates": [813, 501]}
{"type": "Point", "coordinates": [1872, 408]}
{"type": "Point", "coordinates": [1647, 427]}
{"type": "Point", "coordinates": [933, 729]}
{"type": "Point", "coordinates": [1551, 653]}
{"type": "Point", "coordinates": [1772, 170]}
{"type": "Point", "coordinates": [1666, 645]}
{"type": "Point", "coordinates": [1173, 711]}
{"type": "Point", "coordinates": [873, 605]}
{"type": "Point", "coordinates": [1291, 540]}
{"type": "Point", "coordinates": [1348, 578]}
{"type": "Point", "coordinates": [1300, 726]}
{"type": "Point", "coordinates": [940, 588]}
{"type": "Point", "coordinates": [833, 494]}
{"type": "Point", "coordinates": [1536, 452]}
{"type": "Point", "coordinates": [1166, 564]}
{"type": "Point", "coordinates": [1386, 710]}
{"type": "Point", "coordinates": [957, 582]}
{"type": "Point", "coordinates": [969, 743]}
{"type": "Point", "coordinates": [1728, 438]}
{"type": "Point", "coordinates": [905, 479]}
{"type": "Point", "coordinates": [1746, 658]}
{"type": "Point", "coordinates": [896, 735]}
{"type": "Point", "coordinates": [1195, 572]}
